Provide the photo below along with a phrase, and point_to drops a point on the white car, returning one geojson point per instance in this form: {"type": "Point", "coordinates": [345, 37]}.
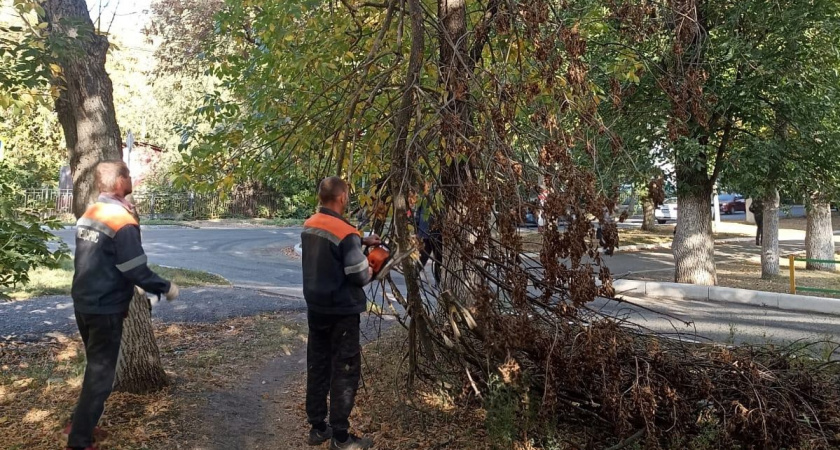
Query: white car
{"type": "Point", "coordinates": [666, 211]}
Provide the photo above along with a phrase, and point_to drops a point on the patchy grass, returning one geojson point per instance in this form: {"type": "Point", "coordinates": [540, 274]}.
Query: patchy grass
{"type": "Point", "coordinates": [57, 281]}
{"type": "Point", "coordinates": [189, 278]}
{"type": "Point", "coordinates": [246, 223]}
{"type": "Point", "coordinates": [44, 281]}
{"type": "Point", "coordinates": [168, 222]}
{"type": "Point", "coordinates": [662, 235]}
{"type": "Point", "coordinates": [40, 382]}
{"type": "Point", "coordinates": [744, 272]}
{"type": "Point", "coordinates": [800, 223]}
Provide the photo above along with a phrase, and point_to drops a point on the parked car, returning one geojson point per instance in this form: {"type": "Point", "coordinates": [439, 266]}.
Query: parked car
{"type": "Point", "coordinates": [732, 203]}
{"type": "Point", "coordinates": [666, 211]}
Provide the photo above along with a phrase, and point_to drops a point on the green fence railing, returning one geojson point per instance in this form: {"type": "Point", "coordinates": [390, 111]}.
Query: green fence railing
{"type": "Point", "coordinates": [793, 287]}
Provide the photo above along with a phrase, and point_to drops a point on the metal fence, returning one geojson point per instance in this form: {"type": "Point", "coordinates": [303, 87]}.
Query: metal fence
{"type": "Point", "coordinates": [49, 202]}
{"type": "Point", "coordinates": [792, 260]}
{"type": "Point", "coordinates": [172, 205]}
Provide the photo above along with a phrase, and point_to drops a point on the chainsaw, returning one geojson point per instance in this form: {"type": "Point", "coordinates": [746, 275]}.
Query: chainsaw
{"type": "Point", "coordinates": [382, 259]}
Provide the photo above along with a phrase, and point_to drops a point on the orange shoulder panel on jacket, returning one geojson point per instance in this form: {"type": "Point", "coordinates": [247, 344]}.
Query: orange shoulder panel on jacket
{"type": "Point", "coordinates": [114, 216]}
{"type": "Point", "coordinates": [334, 225]}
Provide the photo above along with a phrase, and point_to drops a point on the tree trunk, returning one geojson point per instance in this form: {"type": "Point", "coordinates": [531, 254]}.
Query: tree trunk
{"type": "Point", "coordinates": [694, 246]}
{"type": "Point", "coordinates": [402, 177]}
{"type": "Point", "coordinates": [139, 369]}
{"type": "Point", "coordinates": [770, 236]}
{"type": "Point", "coordinates": [85, 106]}
{"type": "Point", "coordinates": [819, 234]}
{"type": "Point", "coordinates": [649, 216]}
{"type": "Point", "coordinates": [86, 112]}
{"type": "Point", "coordinates": [455, 130]}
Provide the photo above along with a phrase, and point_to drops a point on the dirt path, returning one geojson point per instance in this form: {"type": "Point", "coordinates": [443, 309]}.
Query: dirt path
{"type": "Point", "coordinates": [266, 411]}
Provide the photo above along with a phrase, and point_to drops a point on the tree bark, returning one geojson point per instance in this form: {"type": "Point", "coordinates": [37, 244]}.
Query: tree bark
{"type": "Point", "coordinates": [402, 179]}
{"type": "Point", "coordinates": [85, 106]}
{"type": "Point", "coordinates": [770, 236]}
{"type": "Point", "coordinates": [139, 369]}
{"type": "Point", "coordinates": [819, 234]}
{"type": "Point", "coordinates": [455, 130]}
{"type": "Point", "coordinates": [86, 112]}
{"type": "Point", "coordinates": [649, 216]}
{"type": "Point", "coordinates": [694, 245]}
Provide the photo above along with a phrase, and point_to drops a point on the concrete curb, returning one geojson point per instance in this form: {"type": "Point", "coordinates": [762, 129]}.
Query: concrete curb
{"type": "Point", "coordinates": [677, 291]}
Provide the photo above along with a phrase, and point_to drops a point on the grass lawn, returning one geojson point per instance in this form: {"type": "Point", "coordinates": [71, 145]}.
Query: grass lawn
{"type": "Point", "coordinates": [44, 281]}
{"type": "Point", "coordinates": [663, 234]}
{"type": "Point", "coordinates": [799, 223]}
{"type": "Point", "coordinates": [213, 223]}
{"type": "Point", "coordinates": [237, 223]}
{"type": "Point", "coordinates": [745, 273]}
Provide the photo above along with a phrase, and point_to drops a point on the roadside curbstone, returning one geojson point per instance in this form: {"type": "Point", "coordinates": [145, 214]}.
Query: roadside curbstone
{"type": "Point", "coordinates": [679, 291]}
{"type": "Point", "coordinates": [629, 287]}
{"type": "Point", "coordinates": [743, 296]}
{"type": "Point", "coordinates": [809, 304]}
{"type": "Point", "coordinates": [671, 290]}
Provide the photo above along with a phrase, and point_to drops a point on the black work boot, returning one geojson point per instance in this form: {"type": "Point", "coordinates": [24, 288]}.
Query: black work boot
{"type": "Point", "coordinates": [318, 437]}
{"type": "Point", "coordinates": [352, 443]}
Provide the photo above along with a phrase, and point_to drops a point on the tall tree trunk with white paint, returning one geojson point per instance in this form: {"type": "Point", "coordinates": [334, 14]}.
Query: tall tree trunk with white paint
{"type": "Point", "coordinates": [649, 214]}
{"type": "Point", "coordinates": [694, 245]}
{"type": "Point", "coordinates": [819, 234]}
{"type": "Point", "coordinates": [770, 236]}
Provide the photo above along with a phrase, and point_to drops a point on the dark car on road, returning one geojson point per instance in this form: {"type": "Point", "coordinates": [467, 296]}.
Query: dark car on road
{"type": "Point", "coordinates": [732, 203]}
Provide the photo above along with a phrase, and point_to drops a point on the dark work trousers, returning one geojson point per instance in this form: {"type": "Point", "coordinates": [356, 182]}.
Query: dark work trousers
{"type": "Point", "coordinates": [432, 249]}
{"type": "Point", "coordinates": [759, 229]}
{"type": "Point", "coordinates": [333, 366]}
{"type": "Point", "coordinates": [101, 334]}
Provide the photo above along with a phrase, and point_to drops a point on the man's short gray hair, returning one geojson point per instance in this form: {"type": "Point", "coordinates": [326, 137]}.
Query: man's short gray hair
{"type": "Point", "coordinates": [108, 173]}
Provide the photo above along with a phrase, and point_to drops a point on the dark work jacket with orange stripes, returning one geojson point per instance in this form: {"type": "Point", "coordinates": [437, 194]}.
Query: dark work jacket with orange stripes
{"type": "Point", "coordinates": [335, 270]}
{"type": "Point", "coordinates": [110, 260]}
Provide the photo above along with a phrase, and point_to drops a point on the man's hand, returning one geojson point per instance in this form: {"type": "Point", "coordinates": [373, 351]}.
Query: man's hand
{"type": "Point", "coordinates": [372, 240]}
{"type": "Point", "coordinates": [173, 292]}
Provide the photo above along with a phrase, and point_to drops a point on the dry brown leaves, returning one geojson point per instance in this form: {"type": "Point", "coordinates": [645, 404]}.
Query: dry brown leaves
{"type": "Point", "coordinates": [398, 417]}
{"type": "Point", "coordinates": [40, 382]}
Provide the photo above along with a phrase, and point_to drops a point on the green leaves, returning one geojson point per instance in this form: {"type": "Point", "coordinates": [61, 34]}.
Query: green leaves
{"type": "Point", "coordinates": [303, 89]}
{"type": "Point", "coordinates": [24, 236]}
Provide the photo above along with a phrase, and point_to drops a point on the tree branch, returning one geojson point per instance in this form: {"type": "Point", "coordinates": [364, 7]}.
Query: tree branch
{"type": "Point", "coordinates": [482, 33]}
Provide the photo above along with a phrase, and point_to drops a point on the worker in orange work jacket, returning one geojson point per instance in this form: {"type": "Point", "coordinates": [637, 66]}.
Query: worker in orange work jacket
{"type": "Point", "coordinates": [109, 262]}
{"type": "Point", "coordinates": [335, 271]}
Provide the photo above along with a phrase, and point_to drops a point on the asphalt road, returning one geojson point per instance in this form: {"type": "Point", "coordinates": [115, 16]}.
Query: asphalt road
{"type": "Point", "coordinates": [254, 259]}
{"type": "Point", "coordinates": [248, 258]}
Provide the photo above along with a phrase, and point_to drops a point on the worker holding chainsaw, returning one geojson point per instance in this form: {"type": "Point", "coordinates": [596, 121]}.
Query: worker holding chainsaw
{"type": "Point", "coordinates": [335, 271]}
